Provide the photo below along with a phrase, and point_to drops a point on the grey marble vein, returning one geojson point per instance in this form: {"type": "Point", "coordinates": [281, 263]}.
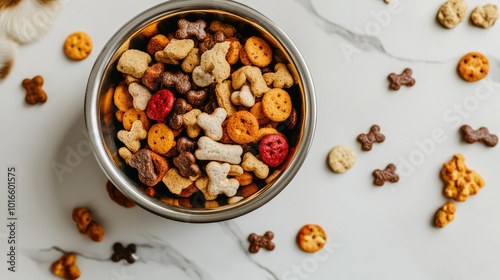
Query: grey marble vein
{"type": "Point", "coordinates": [157, 250]}
{"type": "Point", "coordinates": [236, 234]}
{"type": "Point", "coordinates": [153, 250]}
{"type": "Point", "coordinates": [362, 42]}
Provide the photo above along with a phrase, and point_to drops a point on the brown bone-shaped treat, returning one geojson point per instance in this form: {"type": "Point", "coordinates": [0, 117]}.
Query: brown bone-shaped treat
{"type": "Point", "coordinates": [189, 29]}
{"type": "Point", "coordinates": [257, 242]}
{"type": "Point", "coordinates": [151, 77]}
{"type": "Point", "coordinates": [211, 40]}
{"type": "Point", "coordinates": [404, 79]}
{"type": "Point", "coordinates": [179, 81]}
{"type": "Point", "coordinates": [34, 92]}
{"type": "Point", "coordinates": [387, 175]}
{"type": "Point", "coordinates": [183, 144]}
{"type": "Point", "coordinates": [124, 253]}
{"type": "Point", "coordinates": [373, 136]}
{"type": "Point", "coordinates": [181, 107]}
{"type": "Point", "coordinates": [151, 166]}
{"type": "Point", "coordinates": [196, 97]}
{"type": "Point", "coordinates": [186, 163]}
{"type": "Point", "coordinates": [481, 135]}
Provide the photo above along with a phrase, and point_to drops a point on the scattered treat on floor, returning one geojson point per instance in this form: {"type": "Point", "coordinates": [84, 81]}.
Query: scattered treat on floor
{"type": "Point", "coordinates": [484, 16]}
{"type": "Point", "coordinates": [480, 135]}
{"type": "Point", "coordinates": [264, 241]}
{"type": "Point", "coordinates": [473, 67]}
{"type": "Point", "coordinates": [86, 225]}
{"type": "Point", "coordinates": [65, 267]}
{"type": "Point", "coordinates": [386, 175]}
{"type": "Point", "coordinates": [78, 45]}
{"type": "Point", "coordinates": [403, 79]}
{"type": "Point", "coordinates": [34, 91]}
{"type": "Point", "coordinates": [311, 238]}
{"type": "Point", "coordinates": [121, 252]}
{"type": "Point", "coordinates": [117, 196]}
{"type": "Point", "coordinates": [445, 214]}
{"type": "Point", "coordinates": [374, 136]}
{"type": "Point", "coordinates": [451, 13]}
{"type": "Point", "coordinates": [460, 182]}
{"type": "Point", "coordinates": [341, 159]}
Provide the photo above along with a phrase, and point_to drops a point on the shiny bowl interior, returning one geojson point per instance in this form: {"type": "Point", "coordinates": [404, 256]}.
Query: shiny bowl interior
{"type": "Point", "coordinates": [100, 112]}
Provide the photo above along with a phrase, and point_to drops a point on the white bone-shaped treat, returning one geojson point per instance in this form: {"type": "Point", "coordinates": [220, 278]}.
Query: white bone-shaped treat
{"type": "Point", "coordinates": [218, 182]}
{"type": "Point", "coordinates": [212, 124]}
{"type": "Point", "coordinates": [209, 149]}
{"type": "Point", "coordinates": [244, 96]}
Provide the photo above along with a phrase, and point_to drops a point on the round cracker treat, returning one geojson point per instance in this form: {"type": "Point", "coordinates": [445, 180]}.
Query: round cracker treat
{"type": "Point", "coordinates": [311, 238]}
{"type": "Point", "coordinates": [242, 127]}
{"type": "Point", "coordinates": [160, 138]}
{"type": "Point", "coordinates": [78, 45]}
{"type": "Point", "coordinates": [341, 159]}
{"type": "Point", "coordinates": [473, 67]}
{"type": "Point", "coordinates": [132, 115]}
{"type": "Point", "coordinates": [258, 51]}
{"type": "Point", "coordinates": [122, 98]}
{"type": "Point", "coordinates": [277, 105]}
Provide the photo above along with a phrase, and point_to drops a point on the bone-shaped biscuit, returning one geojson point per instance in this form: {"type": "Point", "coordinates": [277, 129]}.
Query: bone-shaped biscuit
{"type": "Point", "coordinates": [189, 120]}
{"type": "Point", "coordinates": [253, 164]}
{"type": "Point", "coordinates": [175, 182]}
{"type": "Point", "coordinates": [218, 182]}
{"type": "Point", "coordinates": [212, 124]}
{"type": "Point", "coordinates": [214, 61]}
{"type": "Point", "coordinates": [480, 135]}
{"type": "Point", "coordinates": [374, 136]}
{"type": "Point", "coordinates": [253, 75]}
{"type": "Point", "coordinates": [223, 93]}
{"type": "Point", "coordinates": [244, 97]}
{"type": "Point", "coordinates": [208, 149]}
{"type": "Point", "coordinates": [279, 79]}
{"type": "Point", "coordinates": [403, 79]}
{"type": "Point", "coordinates": [132, 138]}
{"type": "Point", "coordinates": [388, 174]}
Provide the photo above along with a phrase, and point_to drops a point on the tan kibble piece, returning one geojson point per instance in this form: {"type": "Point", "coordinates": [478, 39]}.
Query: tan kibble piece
{"type": "Point", "coordinates": [460, 182]}
{"type": "Point", "coordinates": [223, 92]}
{"type": "Point", "coordinates": [132, 138]}
{"type": "Point", "coordinates": [214, 62]}
{"type": "Point", "coordinates": [190, 121]}
{"type": "Point", "coordinates": [452, 12]}
{"type": "Point", "coordinates": [134, 63]}
{"type": "Point", "coordinates": [445, 214]}
{"type": "Point", "coordinates": [253, 164]}
{"type": "Point", "coordinates": [192, 60]}
{"type": "Point", "coordinates": [202, 184]}
{"type": "Point", "coordinates": [175, 51]}
{"type": "Point", "coordinates": [485, 16]}
{"type": "Point", "coordinates": [277, 105]}
{"type": "Point", "coordinates": [175, 182]}
{"type": "Point", "coordinates": [252, 75]}
{"type": "Point", "coordinates": [341, 159]}
{"type": "Point", "coordinates": [281, 78]}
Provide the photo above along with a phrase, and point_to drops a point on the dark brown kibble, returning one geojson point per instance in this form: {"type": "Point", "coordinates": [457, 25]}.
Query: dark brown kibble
{"type": "Point", "coordinates": [404, 79]}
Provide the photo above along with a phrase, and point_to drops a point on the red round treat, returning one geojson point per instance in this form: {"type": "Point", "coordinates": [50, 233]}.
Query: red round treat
{"type": "Point", "coordinates": [273, 149]}
{"type": "Point", "coordinates": [160, 105]}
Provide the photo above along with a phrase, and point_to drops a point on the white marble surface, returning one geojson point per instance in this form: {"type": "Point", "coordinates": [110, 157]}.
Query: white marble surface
{"type": "Point", "coordinates": [374, 233]}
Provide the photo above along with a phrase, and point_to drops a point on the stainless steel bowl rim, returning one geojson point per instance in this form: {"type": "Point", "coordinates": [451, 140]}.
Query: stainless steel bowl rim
{"type": "Point", "coordinates": [124, 183]}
